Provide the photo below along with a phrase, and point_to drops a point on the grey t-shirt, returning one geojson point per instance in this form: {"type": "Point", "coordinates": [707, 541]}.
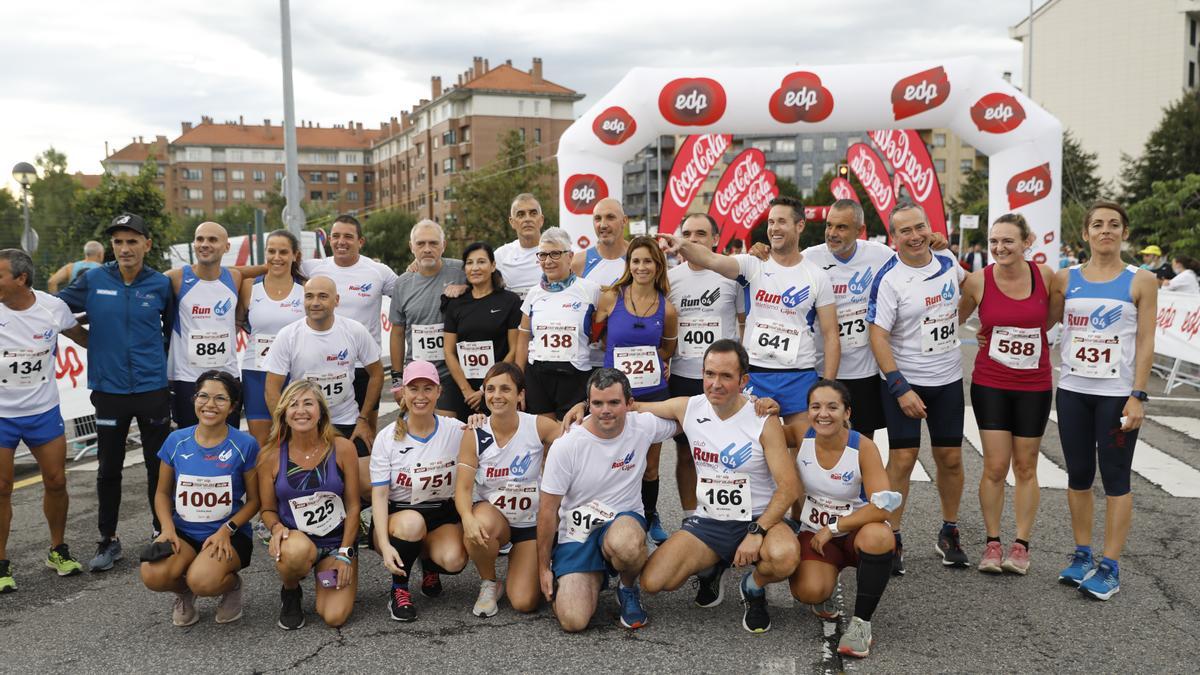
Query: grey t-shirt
{"type": "Point", "coordinates": [417, 305]}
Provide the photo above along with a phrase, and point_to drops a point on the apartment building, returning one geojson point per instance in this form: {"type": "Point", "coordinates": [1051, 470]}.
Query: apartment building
{"type": "Point", "coordinates": [128, 160]}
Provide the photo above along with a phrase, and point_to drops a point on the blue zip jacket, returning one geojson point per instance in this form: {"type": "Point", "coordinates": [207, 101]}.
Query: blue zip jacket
{"type": "Point", "coordinates": [129, 329]}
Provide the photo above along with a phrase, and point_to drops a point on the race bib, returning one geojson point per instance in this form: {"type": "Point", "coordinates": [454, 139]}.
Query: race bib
{"type": "Point", "coordinates": [724, 496]}
{"type": "Point", "coordinates": [318, 514]}
{"type": "Point", "coordinates": [1019, 348]}
{"type": "Point", "coordinates": [427, 341]}
{"type": "Point", "coordinates": [697, 333]}
{"type": "Point", "coordinates": [337, 387]}
{"type": "Point", "coordinates": [431, 481]}
{"type": "Point", "coordinates": [476, 358]}
{"type": "Point", "coordinates": [553, 341]}
{"type": "Point", "coordinates": [1094, 355]}
{"type": "Point", "coordinates": [939, 334]}
{"type": "Point", "coordinates": [203, 499]}
{"type": "Point", "coordinates": [24, 368]}
{"type": "Point", "coordinates": [209, 349]}
{"type": "Point", "coordinates": [517, 501]}
{"type": "Point", "coordinates": [583, 519]}
{"type": "Point", "coordinates": [262, 345]}
{"type": "Point", "coordinates": [775, 341]}
{"type": "Point", "coordinates": [819, 511]}
{"type": "Point", "coordinates": [640, 365]}
{"type": "Point", "coordinates": [852, 326]}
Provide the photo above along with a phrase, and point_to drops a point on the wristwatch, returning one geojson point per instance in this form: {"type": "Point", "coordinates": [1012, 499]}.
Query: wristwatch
{"type": "Point", "coordinates": [833, 526]}
{"type": "Point", "coordinates": [755, 528]}
{"type": "Point", "coordinates": [233, 527]}
{"type": "Point", "coordinates": [1139, 395]}
{"type": "Point", "coordinates": [348, 551]}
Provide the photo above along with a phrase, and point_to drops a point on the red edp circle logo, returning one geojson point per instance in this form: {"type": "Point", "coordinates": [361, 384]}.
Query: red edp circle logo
{"type": "Point", "coordinates": [614, 126]}
{"type": "Point", "coordinates": [801, 98]}
{"type": "Point", "coordinates": [920, 92]}
{"type": "Point", "coordinates": [1028, 186]}
{"type": "Point", "coordinates": [582, 191]}
{"type": "Point", "coordinates": [997, 113]}
{"type": "Point", "coordinates": [692, 101]}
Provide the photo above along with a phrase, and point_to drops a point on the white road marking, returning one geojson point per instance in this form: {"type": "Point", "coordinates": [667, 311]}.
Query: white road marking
{"type": "Point", "coordinates": [881, 440]}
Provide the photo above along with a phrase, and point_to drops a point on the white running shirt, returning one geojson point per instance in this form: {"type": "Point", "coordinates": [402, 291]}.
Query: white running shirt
{"type": "Point", "coordinates": [204, 336]}
{"type": "Point", "coordinates": [829, 493]}
{"type": "Point", "coordinates": [508, 476]}
{"type": "Point", "coordinates": [360, 288]}
{"type": "Point", "coordinates": [327, 358]}
{"type": "Point", "coordinates": [706, 303]}
{"type": "Point", "coordinates": [28, 343]}
{"type": "Point", "coordinates": [418, 471]}
{"type": "Point", "coordinates": [559, 322]}
{"type": "Point", "coordinates": [851, 290]}
{"type": "Point", "coordinates": [267, 317]}
{"type": "Point", "coordinates": [781, 308]}
{"type": "Point", "coordinates": [518, 267]}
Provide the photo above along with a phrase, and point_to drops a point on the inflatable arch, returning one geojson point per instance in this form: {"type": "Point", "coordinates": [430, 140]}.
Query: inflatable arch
{"type": "Point", "coordinates": [1023, 141]}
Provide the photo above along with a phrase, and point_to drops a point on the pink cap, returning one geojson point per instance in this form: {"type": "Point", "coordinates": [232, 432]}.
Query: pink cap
{"type": "Point", "coordinates": [421, 370]}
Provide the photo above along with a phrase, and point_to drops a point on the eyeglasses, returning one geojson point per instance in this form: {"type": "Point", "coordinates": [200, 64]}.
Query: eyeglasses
{"type": "Point", "coordinates": [553, 255]}
{"type": "Point", "coordinates": [219, 399]}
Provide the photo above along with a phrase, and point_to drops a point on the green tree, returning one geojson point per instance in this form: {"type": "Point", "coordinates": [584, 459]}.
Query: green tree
{"type": "Point", "coordinates": [132, 194]}
{"type": "Point", "coordinates": [11, 220]}
{"type": "Point", "coordinates": [972, 199]}
{"type": "Point", "coordinates": [53, 212]}
{"type": "Point", "coordinates": [1081, 185]}
{"type": "Point", "coordinates": [1172, 151]}
{"type": "Point", "coordinates": [1170, 214]}
{"type": "Point", "coordinates": [482, 197]}
{"type": "Point", "coordinates": [387, 237]}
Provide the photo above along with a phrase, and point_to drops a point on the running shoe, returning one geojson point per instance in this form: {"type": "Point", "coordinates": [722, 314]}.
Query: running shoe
{"type": "Point", "coordinates": [505, 549]}
{"type": "Point", "coordinates": [229, 608]}
{"type": "Point", "coordinates": [657, 534]}
{"type": "Point", "coordinates": [632, 614]}
{"type": "Point", "coordinates": [107, 553]}
{"type": "Point", "coordinates": [1101, 583]}
{"type": "Point", "coordinates": [856, 641]}
{"type": "Point", "coordinates": [710, 589]}
{"type": "Point", "coordinates": [401, 606]}
{"type": "Point", "coordinates": [831, 609]}
{"type": "Point", "coordinates": [487, 603]}
{"type": "Point", "coordinates": [60, 561]}
{"type": "Point", "coordinates": [7, 583]}
{"type": "Point", "coordinates": [1017, 560]}
{"type": "Point", "coordinates": [261, 532]}
{"type": "Point", "coordinates": [756, 618]}
{"type": "Point", "coordinates": [948, 547]}
{"type": "Point", "coordinates": [898, 562]}
{"type": "Point", "coordinates": [1081, 566]}
{"type": "Point", "coordinates": [291, 614]}
{"type": "Point", "coordinates": [993, 555]}
{"type": "Point", "coordinates": [431, 584]}
{"type": "Point", "coordinates": [184, 611]}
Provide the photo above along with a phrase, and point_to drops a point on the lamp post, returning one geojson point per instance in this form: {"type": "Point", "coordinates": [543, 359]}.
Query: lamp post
{"type": "Point", "coordinates": [25, 174]}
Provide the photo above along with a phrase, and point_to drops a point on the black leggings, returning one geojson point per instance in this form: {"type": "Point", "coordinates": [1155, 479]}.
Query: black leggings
{"type": "Point", "coordinates": [114, 412]}
{"type": "Point", "coordinates": [1089, 427]}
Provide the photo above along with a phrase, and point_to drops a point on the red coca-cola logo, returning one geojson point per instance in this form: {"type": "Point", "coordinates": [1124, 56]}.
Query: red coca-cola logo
{"type": "Point", "coordinates": [801, 98]}
{"type": "Point", "coordinates": [997, 113]}
{"type": "Point", "coordinates": [692, 101]}
{"type": "Point", "coordinates": [614, 126]}
{"type": "Point", "coordinates": [874, 178]}
{"type": "Point", "coordinates": [919, 92]}
{"type": "Point", "coordinates": [1028, 186]}
{"type": "Point", "coordinates": [582, 191]}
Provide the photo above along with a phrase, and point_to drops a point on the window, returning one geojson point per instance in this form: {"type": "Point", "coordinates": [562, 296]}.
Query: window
{"type": "Point", "coordinates": [1193, 32]}
{"type": "Point", "coordinates": [939, 165]}
{"type": "Point", "coordinates": [939, 140]}
{"type": "Point", "coordinates": [352, 195]}
{"type": "Point", "coordinates": [826, 168]}
{"type": "Point", "coordinates": [260, 195]}
{"type": "Point", "coordinates": [195, 194]}
{"type": "Point", "coordinates": [193, 212]}
{"type": "Point", "coordinates": [520, 107]}
{"type": "Point", "coordinates": [466, 134]}
{"type": "Point", "coordinates": [257, 156]}
{"type": "Point", "coordinates": [239, 195]}
{"type": "Point", "coordinates": [446, 195]}
{"type": "Point", "coordinates": [435, 143]}
{"type": "Point", "coordinates": [218, 156]}
{"type": "Point", "coordinates": [331, 177]}
{"type": "Point", "coordinates": [193, 174]}
{"type": "Point", "coordinates": [537, 135]}
{"type": "Point", "coordinates": [220, 195]}
{"type": "Point", "coordinates": [1191, 74]}
{"type": "Point", "coordinates": [259, 176]}
{"type": "Point", "coordinates": [448, 165]}
{"type": "Point", "coordinates": [370, 196]}
{"type": "Point", "coordinates": [420, 149]}
{"type": "Point", "coordinates": [829, 143]}
{"type": "Point", "coordinates": [316, 177]}
{"type": "Point", "coordinates": [448, 138]}
{"type": "Point", "coordinates": [315, 195]}
{"type": "Point", "coordinates": [466, 162]}
{"type": "Point", "coordinates": [785, 170]}
{"type": "Point", "coordinates": [786, 145]}
{"type": "Point", "coordinates": [278, 176]}
{"type": "Point", "coordinates": [351, 177]}
{"type": "Point", "coordinates": [368, 177]}
{"type": "Point", "coordinates": [195, 154]}
{"type": "Point", "coordinates": [966, 165]}
{"type": "Point", "coordinates": [521, 131]}
{"type": "Point", "coordinates": [237, 175]}
{"type": "Point", "coordinates": [218, 175]}
{"type": "Point", "coordinates": [235, 156]}
{"type": "Point", "coordinates": [806, 170]}
{"type": "Point", "coordinates": [765, 146]}
{"type": "Point", "coordinates": [806, 145]}
{"type": "Point", "coordinates": [278, 156]}
{"type": "Point", "coordinates": [332, 196]}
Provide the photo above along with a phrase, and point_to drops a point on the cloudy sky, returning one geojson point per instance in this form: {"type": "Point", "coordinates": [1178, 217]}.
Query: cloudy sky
{"type": "Point", "coordinates": [78, 74]}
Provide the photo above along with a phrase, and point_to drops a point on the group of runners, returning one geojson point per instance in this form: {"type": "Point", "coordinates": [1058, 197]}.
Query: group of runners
{"type": "Point", "coordinates": [536, 385]}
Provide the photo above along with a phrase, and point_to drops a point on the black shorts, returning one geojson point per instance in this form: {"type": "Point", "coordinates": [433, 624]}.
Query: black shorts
{"type": "Point", "coordinates": [723, 536]}
{"type": "Point", "coordinates": [241, 544]}
{"type": "Point", "coordinates": [183, 406]}
{"type": "Point", "coordinates": [437, 515]}
{"type": "Point", "coordinates": [360, 446]}
{"type": "Point", "coordinates": [866, 406]}
{"type": "Point", "coordinates": [1021, 413]}
{"type": "Point", "coordinates": [554, 388]}
{"type": "Point", "coordinates": [944, 409]}
{"type": "Point", "coordinates": [452, 401]}
{"type": "Point", "coordinates": [361, 378]}
{"type": "Point", "coordinates": [517, 535]}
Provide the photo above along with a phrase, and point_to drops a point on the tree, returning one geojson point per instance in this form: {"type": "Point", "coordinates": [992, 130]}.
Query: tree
{"type": "Point", "coordinates": [1081, 185]}
{"type": "Point", "coordinates": [53, 212]}
{"type": "Point", "coordinates": [131, 194]}
{"type": "Point", "coordinates": [483, 197]}
{"type": "Point", "coordinates": [972, 199]}
{"type": "Point", "coordinates": [11, 220]}
{"type": "Point", "coordinates": [387, 237]}
{"type": "Point", "coordinates": [1170, 215]}
{"type": "Point", "coordinates": [1171, 152]}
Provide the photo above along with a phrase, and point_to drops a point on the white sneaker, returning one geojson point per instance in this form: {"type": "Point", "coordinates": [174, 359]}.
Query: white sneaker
{"type": "Point", "coordinates": [487, 604]}
{"type": "Point", "coordinates": [184, 611]}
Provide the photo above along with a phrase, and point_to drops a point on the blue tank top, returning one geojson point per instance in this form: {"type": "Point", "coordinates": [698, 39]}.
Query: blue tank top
{"type": "Point", "coordinates": [323, 478]}
{"type": "Point", "coordinates": [627, 330]}
{"type": "Point", "coordinates": [82, 266]}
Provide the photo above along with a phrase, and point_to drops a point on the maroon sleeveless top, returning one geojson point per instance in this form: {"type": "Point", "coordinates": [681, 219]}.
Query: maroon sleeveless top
{"type": "Point", "coordinates": [997, 309]}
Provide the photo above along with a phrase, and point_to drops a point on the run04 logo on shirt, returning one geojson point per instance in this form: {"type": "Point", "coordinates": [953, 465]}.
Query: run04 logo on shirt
{"type": "Point", "coordinates": [204, 336]}
{"type": "Point", "coordinates": [852, 279]}
{"type": "Point", "coordinates": [706, 302]}
{"type": "Point", "coordinates": [781, 304]}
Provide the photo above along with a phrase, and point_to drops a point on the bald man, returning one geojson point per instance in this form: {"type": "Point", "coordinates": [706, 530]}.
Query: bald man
{"type": "Point", "coordinates": [204, 336]}
{"type": "Point", "coordinates": [93, 257]}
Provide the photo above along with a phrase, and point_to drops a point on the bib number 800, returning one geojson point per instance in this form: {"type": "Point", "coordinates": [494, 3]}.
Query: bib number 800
{"type": "Point", "coordinates": [819, 517]}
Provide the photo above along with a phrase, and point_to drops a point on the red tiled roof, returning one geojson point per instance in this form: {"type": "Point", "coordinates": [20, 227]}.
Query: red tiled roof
{"type": "Point", "coordinates": [507, 78]}
{"type": "Point", "coordinates": [89, 181]}
{"type": "Point", "coordinates": [139, 152]}
{"type": "Point", "coordinates": [251, 135]}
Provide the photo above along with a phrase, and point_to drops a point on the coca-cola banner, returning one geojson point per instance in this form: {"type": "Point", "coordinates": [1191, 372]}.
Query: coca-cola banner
{"type": "Point", "coordinates": [966, 96]}
{"type": "Point", "coordinates": [693, 162]}
{"type": "Point", "coordinates": [913, 168]}
{"type": "Point", "coordinates": [743, 195]}
{"type": "Point", "coordinates": [870, 171]}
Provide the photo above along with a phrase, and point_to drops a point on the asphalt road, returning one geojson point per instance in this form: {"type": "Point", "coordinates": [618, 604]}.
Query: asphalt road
{"type": "Point", "coordinates": [932, 620]}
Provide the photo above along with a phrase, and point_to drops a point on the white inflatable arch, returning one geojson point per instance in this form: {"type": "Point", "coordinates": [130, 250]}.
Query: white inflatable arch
{"type": "Point", "coordinates": [1023, 141]}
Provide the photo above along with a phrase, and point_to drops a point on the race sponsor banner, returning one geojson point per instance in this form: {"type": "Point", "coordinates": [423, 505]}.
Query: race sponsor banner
{"type": "Point", "coordinates": [1178, 325]}
{"type": "Point", "coordinates": [743, 195]}
{"type": "Point", "coordinates": [869, 169]}
{"type": "Point", "coordinates": [696, 158]}
{"type": "Point", "coordinates": [913, 168]}
{"type": "Point", "coordinates": [842, 189]}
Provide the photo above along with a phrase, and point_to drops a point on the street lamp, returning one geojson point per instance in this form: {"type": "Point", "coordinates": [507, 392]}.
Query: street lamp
{"type": "Point", "coordinates": [25, 174]}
